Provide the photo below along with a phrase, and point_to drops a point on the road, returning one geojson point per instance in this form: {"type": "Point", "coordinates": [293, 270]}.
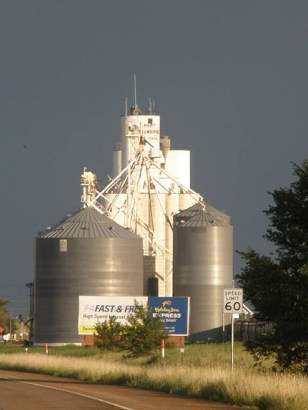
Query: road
{"type": "Point", "coordinates": [29, 391]}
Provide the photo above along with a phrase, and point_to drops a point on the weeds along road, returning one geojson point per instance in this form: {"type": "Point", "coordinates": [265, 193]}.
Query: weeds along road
{"type": "Point", "coordinates": [25, 391]}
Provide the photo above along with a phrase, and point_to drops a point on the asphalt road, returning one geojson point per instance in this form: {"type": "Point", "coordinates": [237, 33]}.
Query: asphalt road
{"type": "Point", "coordinates": [29, 391]}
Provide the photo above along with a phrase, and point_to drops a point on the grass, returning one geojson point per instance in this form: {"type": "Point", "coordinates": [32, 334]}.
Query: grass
{"type": "Point", "coordinates": [69, 350]}
{"type": "Point", "coordinates": [204, 373]}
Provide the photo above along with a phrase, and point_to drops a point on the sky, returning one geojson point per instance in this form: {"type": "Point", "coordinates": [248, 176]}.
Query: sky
{"type": "Point", "coordinates": [229, 79]}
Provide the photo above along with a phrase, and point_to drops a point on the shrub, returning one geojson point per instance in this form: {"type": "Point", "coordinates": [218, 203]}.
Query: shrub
{"type": "Point", "coordinates": [110, 335]}
{"type": "Point", "coordinates": [141, 335]}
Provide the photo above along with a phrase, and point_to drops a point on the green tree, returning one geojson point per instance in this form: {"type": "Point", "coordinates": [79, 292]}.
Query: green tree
{"type": "Point", "coordinates": [144, 332]}
{"type": "Point", "coordinates": [277, 285]}
{"type": "Point", "coordinates": [141, 335]}
{"type": "Point", "coordinates": [4, 317]}
{"type": "Point", "coordinates": [110, 335]}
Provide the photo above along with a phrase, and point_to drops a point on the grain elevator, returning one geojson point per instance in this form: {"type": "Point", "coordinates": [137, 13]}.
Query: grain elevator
{"type": "Point", "coordinates": [148, 213]}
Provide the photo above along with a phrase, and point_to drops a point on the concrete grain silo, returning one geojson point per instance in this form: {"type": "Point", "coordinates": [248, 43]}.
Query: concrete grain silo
{"type": "Point", "coordinates": [202, 252]}
{"type": "Point", "coordinates": [87, 254]}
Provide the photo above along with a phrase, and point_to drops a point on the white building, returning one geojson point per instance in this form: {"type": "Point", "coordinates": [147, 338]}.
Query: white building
{"type": "Point", "coordinates": [150, 183]}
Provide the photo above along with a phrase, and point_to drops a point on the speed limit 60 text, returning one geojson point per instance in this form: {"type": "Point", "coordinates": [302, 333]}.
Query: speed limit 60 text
{"type": "Point", "coordinates": [233, 300]}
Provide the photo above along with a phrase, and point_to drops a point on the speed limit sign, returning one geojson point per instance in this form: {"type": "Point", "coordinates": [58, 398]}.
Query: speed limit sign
{"type": "Point", "coordinates": [233, 300]}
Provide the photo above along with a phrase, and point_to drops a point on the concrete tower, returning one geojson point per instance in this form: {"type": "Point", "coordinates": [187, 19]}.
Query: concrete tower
{"type": "Point", "coordinates": [152, 184]}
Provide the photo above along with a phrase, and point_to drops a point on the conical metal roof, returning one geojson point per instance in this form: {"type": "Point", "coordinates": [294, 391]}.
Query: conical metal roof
{"type": "Point", "coordinates": [201, 216]}
{"type": "Point", "coordinates": [88, 223]}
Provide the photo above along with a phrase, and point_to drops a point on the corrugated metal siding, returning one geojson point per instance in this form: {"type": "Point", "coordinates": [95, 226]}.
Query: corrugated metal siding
{"type": "Point", "coordinates": [94, 267]}
{"type": "Point", "coordinates": [203, 266]}
{"type": "Point", "coordinates": [88, 223]}
{"type": "Point", "coordinates": [197, 215]}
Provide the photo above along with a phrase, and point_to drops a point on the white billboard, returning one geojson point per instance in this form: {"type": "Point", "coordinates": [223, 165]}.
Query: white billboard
{"type": "Point", "coordinates": [95, 309]}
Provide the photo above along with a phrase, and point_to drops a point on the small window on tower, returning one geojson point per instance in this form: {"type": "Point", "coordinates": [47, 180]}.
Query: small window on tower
{"type": "Point", "coordinates": [150, 121]}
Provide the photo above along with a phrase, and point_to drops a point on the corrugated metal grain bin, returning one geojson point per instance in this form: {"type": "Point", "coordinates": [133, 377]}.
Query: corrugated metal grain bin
{"type": "Point", "coordinates": [86, 254]}
{"type": "Point", "coordinates": [203, 248]}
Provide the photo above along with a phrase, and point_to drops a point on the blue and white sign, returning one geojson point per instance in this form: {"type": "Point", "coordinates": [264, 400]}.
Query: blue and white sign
{"type": "Point", "coordinates": [174, 313]}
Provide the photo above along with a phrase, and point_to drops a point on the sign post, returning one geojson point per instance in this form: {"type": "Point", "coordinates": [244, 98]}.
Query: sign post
{"type": "Point", "coordinates": [233, 303]}
{"type": "Point", "coordinates": [182, 355]}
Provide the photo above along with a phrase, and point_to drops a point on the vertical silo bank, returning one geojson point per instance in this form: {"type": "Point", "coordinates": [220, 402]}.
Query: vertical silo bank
{"type": "Point", "coordinates": [87, 254]}
{"type": "Point", "coordinates": [203, 267]}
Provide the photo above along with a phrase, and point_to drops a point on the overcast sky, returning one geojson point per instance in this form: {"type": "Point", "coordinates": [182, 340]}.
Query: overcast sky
{"type": "Point", "coordinates": [229, 79]}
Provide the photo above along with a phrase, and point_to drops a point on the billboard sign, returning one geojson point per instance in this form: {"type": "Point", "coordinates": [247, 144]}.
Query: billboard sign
{"type": "Point", "coordinates": [95, 309]}
{"type": "Point", "coordinates": [173, 311]}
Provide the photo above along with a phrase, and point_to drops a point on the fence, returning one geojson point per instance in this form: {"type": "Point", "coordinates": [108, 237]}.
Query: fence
{"type": "Point", "coordinates": [250, 329]}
